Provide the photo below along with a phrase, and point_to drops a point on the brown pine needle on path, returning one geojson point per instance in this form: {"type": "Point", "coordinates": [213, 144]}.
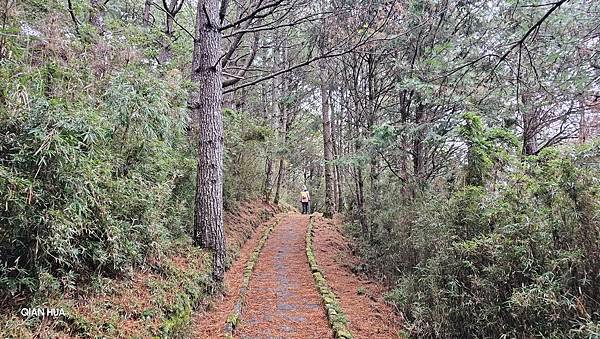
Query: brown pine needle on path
{"type": "Point", "coordinates": [369, 316]}
{"type": "Point", "coordinates": [283, 301]}
{"type": "Point", "coordinates": [211, 324]}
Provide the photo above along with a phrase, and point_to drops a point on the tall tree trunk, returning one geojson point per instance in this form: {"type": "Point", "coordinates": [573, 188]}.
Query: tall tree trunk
{"type": "Point", "coordinates": [147, 7]}
{"type": "Point", "coordinates": [530, 127]}
{"type": "Point", "coordinates": [339, 183]}
{"type": "Point", "coordinates": [404, 142]}
{"type": "Point", "coordinates": [584, 130]}
{"type": "Point", "coordinates": [373, 161]}
{"type": "Point", "coordinates": [530, 143]}
{"type": "Point", "coordinates": [336, 141]}
{"type": "Point", "coordinates": [334, 172]}
{"type": "Point", "coordinates": [206, 106]}
{"type": "Point", "coordinates": [281, 171]}
{"type": "Point", "coordinates": [268, 179]}
{"type": "Point", "coordinates": [418, 150]}
{"type": "Point", "coordinates": [275, 114]}
{"type": "Point", "coordinates": [170, 25]}
{"type": "Point", "coordinates": [360, 201]}
{"type": "Point", "coordinates": [97, 15]}
{"type": "Point", "coordinates": [166, 54]}
{"type": "Point", "coordinates": [327, 146]}
{"type": "Point", "coordinates": [280, 174]}
{"type": "Point", "coordinates": [341, 149]}
{"type": "Point", "coordinates": [285, 123]}
{"type": "Point", "coordinates": [355, 148]}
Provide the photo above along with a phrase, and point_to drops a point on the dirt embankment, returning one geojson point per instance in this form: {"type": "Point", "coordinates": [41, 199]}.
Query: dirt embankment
{"type": "Point", "coordinates": [369, 316]}
{"type": "Point", "coordinates": [283, 300]}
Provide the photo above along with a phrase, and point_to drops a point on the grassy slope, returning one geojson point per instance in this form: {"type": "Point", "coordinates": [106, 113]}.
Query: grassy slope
{"type": "Point", "coordinates": [154, 300]}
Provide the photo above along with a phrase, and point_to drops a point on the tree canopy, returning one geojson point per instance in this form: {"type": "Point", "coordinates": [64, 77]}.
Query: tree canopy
{"type": "Point", "coordinates": [458, 139]}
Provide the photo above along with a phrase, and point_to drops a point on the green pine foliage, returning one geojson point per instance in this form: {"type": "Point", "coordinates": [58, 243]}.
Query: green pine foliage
{"type": "Point", "coordinates": [513, 254]}
{"type": "Point", "coordinates": [247, 140]}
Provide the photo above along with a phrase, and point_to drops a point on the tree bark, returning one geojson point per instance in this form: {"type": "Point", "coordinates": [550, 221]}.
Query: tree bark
{"type": "Point", "coordinates": [418, 150]}
{"type": "Point", "coordinates": [373, 161]}
{"type": "Point", "coordinates": [285, 123]}
{"type": "Point", "coordinates": [583, 124]}
{"type": "Point", "coordinates": [206, 106]}
{"type": "Point", "coordinates": [97, 15]}
{"type": "Point", "coordinates": [280, 174]}
{"type": "Point", "coordinates": [404, 142]}
{"type": "Point", "coordinates": [327, 146]}
{"type": "Point", "coordinates": [530, 143]}
{"type": "Point", "coordinates": [360, 201]}
{"type": "Point", "coordinates": [170, 25]}
{"type": "Point", "coordinates": [334, 154]}
{"type": "Point", "coordinates": [268, 179]}
{"type": "Point", "coordinates": [147, 7]}
{"type": "Point", "coordinates": [275, 114]}
{"type": "Point", "coordinates": [338, 181]}
{"type": "Point", "coordinates": [281, 171]}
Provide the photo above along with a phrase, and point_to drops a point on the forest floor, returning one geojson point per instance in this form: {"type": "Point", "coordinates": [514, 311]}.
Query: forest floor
{"type": "Point", "coordinates": [283, 301]}
{"type": "Point", "coordinates": [369, 316]}
{"type": "Point", "coordinates": [152, 300]}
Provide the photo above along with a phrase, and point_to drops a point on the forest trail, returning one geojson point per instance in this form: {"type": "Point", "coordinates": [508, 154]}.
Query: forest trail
{"type": "Point", "coordinates": [283, 301]}
{"type": "Point", "coordinates": [210, 323]}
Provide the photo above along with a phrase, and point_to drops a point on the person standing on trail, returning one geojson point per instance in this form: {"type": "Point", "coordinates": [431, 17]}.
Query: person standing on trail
{"type": "Point", "coordinates": [304, 199]}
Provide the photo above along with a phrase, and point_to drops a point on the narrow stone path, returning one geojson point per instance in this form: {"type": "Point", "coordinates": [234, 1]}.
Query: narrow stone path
{"type": "Point", "coordinates": [211, 323]}
{"type": "Point", "coordinates": [283, 301]}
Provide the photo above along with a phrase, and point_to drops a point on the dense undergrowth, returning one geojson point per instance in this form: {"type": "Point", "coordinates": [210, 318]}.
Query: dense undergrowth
{"type": "Point", "coordinates": [97, 177]}
{"type": "Point", "coordinates": [514, 254]}
{"type": "Point", "coordinates": [95, 173]}
{"type": "Point", "coordinates": [336, 316]}
{"type": "Point", "coordinates": [96, 180]}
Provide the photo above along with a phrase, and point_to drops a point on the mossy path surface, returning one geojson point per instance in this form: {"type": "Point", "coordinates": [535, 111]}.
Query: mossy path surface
{"type": "Point", "coordinates": [283, 301]}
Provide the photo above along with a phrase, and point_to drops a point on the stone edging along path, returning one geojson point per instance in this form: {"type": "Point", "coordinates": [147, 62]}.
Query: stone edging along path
{"type": "Point", "coordinates": [335, 314]}
{"type": "Point", "coordinates": [234, 317]}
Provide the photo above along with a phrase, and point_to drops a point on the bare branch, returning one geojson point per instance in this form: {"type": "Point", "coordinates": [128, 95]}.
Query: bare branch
{"type": "Point", "coordinates": [364, 39]}
{"type": "Point", "coordinates": [240, 75]}
{"type": "Point", "coordinates": [175, 21]}
{"type": "Point", "coordinates": [223, 10]}
{"type": "Point", "coordinates": [254, 14]}
{"type": "Point", "coordinates": [73, 17]}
